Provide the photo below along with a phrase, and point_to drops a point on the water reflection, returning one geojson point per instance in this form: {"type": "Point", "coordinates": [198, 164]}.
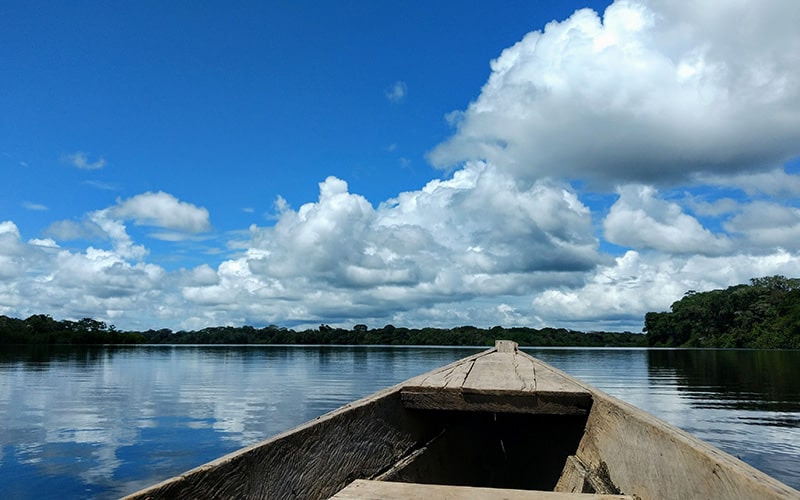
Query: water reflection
{"type": "Point", "coordinates": [744, 380]}
{"type": "Point", "coordinates": [101, 422]}
{"type": "Point", "coordinates": [746, 402]}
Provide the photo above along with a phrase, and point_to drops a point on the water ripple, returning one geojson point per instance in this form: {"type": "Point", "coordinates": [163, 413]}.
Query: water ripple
{"type": "Point", "coordinates": [100, 423]}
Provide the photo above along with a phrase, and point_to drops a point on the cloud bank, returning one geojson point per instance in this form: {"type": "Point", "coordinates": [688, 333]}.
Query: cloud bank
{"type": "Point", "coordinates": [611, 162]}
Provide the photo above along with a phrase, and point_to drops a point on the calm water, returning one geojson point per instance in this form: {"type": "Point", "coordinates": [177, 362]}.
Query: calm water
{"type": "Point", "coordinates": [103, 422]}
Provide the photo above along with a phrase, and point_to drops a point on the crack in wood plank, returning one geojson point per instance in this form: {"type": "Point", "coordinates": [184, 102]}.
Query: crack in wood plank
{"type": "Point", "coordinates": [518, 372]}
{"type": "Point", "coordinates": [450, 378]}
{"type": "Point", "coordinates": [466, 377]}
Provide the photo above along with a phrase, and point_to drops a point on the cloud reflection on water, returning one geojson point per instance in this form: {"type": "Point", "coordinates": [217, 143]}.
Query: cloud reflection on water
{"type": "Point", "coordinates": [102, 422]}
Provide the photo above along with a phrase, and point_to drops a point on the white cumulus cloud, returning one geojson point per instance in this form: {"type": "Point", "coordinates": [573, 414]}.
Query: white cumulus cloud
{"type": "Point", "coordinates": [639, 219]}
{"type": "Point", "coordinates": [471, 237]}
{"type": "Point", "coordinates": [162, 210]}
{"type": "Point", "coordinates": [652, 91]}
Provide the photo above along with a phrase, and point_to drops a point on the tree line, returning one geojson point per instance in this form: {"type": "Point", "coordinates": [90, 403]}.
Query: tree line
{"type": "Point", "coordinates": [762, 315]}
{"type": "Point", "coordinates": [43, 329]}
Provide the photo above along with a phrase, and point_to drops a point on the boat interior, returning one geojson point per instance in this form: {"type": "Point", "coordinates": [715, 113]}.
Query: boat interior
{"type": "Point", "coordinates": [480, 425]}
{"type": "Point", "coordinates": [487, 449]}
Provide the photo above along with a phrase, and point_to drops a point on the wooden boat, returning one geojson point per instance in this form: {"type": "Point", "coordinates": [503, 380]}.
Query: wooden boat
{"type": "Point", "coordinates": [499, 424]}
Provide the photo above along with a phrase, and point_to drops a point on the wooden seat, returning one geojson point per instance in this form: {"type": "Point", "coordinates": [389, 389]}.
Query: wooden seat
{"type": "Point", "coordinates": [361, 489]}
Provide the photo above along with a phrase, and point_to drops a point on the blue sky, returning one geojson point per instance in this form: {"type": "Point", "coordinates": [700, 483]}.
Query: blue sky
{"type": "Point", "coordinates": [519, 163]}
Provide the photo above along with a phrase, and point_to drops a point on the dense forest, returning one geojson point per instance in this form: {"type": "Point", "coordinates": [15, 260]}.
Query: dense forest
{"type": "Point", "coordinates": [763, 315]}
{"type": "Point", "coordinates": [43, 329]}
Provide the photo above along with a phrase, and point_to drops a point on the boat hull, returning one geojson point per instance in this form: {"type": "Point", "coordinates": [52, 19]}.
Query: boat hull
{"type": "Point", "coordinates": [498, 419]}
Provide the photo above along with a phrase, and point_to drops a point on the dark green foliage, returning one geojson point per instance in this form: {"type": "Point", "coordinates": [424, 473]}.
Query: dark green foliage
{"type": "Point", "coordinates": [42, 329]}
{"type": "Point", "coordinates": [764, 315]}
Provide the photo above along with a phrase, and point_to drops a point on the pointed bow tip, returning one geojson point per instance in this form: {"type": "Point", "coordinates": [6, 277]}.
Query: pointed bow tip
{"type": "Point", "coordinates": [505, 346]}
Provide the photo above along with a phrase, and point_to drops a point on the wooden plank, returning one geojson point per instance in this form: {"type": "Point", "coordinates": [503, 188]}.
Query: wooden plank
{"type": "Point", "coordinates": [384, 490]}
{"type": "Point", "coordinates": [501, 371]}
{"type": "Point", "coordinates": [507, 381]}
{"type": "Point", "coordinates": [452, 376]}
{"type": "Point", "coordinates": [530, 402]}
{"type": "Point", "coordinates": [548, 380]}
{"type": "Point", "coordinates": [516, 371]}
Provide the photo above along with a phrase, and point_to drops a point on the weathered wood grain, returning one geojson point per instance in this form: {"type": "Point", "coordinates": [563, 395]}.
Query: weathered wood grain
{"type": "Point", "coordinates": [502, 380]}
{"type": "Point", "coordinates": [310, 462]}
{"type": "Point", "coordinates": [577, 478]}
{"type": "Point", "coordinates": [505, 346]}
{"type": "Point", "coordinates": [529, 402]}
{"type": "Point", "coordinates": [501, 371]}
{"type": "Point", "coordinates": [647, 457]}
{"type": "Point", "coordinates": [381, 490]}
{"type": "Point", "coordinates": [452, 377]}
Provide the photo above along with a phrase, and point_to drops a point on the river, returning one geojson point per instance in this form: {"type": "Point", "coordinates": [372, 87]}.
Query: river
{"type": "Point", "coordinates": [105, 421]}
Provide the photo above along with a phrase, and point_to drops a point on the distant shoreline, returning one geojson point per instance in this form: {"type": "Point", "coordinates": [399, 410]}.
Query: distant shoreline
{"type": "Point", "coordinates": [42, 329]}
